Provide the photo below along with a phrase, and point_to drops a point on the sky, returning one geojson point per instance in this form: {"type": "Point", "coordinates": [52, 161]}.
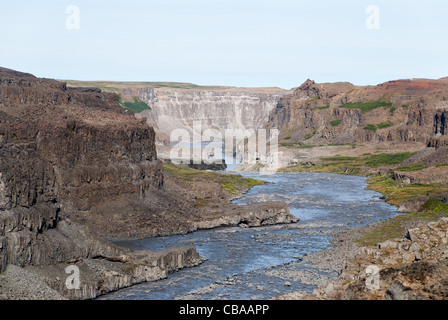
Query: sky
{"type": "Point", "coordinates": [247, 43]}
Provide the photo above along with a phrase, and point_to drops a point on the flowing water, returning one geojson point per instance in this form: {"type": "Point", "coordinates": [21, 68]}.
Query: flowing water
{"type": "Point", "coordinates": [241, 262]}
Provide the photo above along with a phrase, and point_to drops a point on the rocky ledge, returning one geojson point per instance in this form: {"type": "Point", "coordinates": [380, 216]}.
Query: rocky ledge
{"type": "Point", "coordinates": [35, 251]}
{"type": "Point", "coordinates": [413, 267]}
{"type": "Point", "coordinates": [253, 215]}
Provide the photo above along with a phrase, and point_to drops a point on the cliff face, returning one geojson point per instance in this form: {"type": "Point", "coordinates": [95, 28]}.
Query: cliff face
{"type": "Point", "coordinates": [411, 110]}
{"type": "Point", "coordinates": [75, 168]}
{"type": "Point", "coordinates": [71, 147]}
{"type": "Point", "coordinates": [65, 154]}
{"type": "Point", "coordinates": [224, 108]}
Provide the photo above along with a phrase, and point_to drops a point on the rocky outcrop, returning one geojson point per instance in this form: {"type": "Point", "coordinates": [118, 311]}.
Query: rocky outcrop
{"type": "Point", "coordinates": [413, 267]}
{"type": "Point", "coordinates": [73, 148]}
{"type": "Point", "coordinates": [415, 112]}
{"type": "Point", "coordinates": [255, 215]}
{"type": "Point", "coordinates": [205, 166]}
{"type": "Point", "coordinates": [40, 245]}
{"type": "Point", "coordinates": [66, 154]}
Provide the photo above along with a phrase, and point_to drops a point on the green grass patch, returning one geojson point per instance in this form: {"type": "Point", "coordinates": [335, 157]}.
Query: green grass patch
{"type": "Point", "coordinates": [442, 165]}
{"type": "Point", "coordinates": [306, 146]}
{"type": "Point", "coordinates": [435, 206]}
{"type": "Point", "coordinates": [394, 228]}
{"type": "Point", "coordinates": [390, 159]}
{"type": "Point", "coordinates": [366, 106]}
{"type": "Point", "coordinates": [412, 167]}
{"type": "Point", "coordinates": [310, 135]}
{"type": "Point", "coordinates": [137, 106]}
{"type": "Point", "coordinates": [384, 125]}
{"type": "Point", "coordinates": [397, 193]}
{"type": "Point", "coordinates": [338, 158]}
{"type": "Point", "coordinates": [335, 123]}
{"type": "Point", "coordinates": [432, 210]}
{"type": "Point", "coordinates": [231, 183]}
{"type": "Point", "coordinates": [373, 127]}
{"type": "Point", "coordinates": [321, 108]}
{"type": "Point", "coordinates": [370, 127]}
{"type": "Point", "coordinates": [391, 111]}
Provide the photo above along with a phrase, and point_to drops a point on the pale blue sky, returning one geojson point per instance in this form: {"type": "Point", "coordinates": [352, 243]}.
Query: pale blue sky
{"type": "Point", "coordinates": [226, 42]}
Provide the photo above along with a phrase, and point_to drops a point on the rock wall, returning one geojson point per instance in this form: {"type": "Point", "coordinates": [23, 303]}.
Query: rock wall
{"type": "Point", "coordinates": [72, 146]}
{"type": "Point", "coordinates": [416, 113]}
{"type": "Point", "coordinates": [76, 168]}
{"type": "Point", "coordinates": [220, 108]}
{"type": "Point", "coordinates": [410, 268]}
{"type": "Point", "coordinates": [66, 153]}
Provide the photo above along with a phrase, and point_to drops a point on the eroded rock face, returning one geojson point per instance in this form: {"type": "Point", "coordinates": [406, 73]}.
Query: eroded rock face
{"type": "Point", "coordinates": [76, 168]}
{"type": "Point", "coordinates": [255, 215]}
{"type": "Point", "coordinates": [220, 108]}
{"type": "Point", "coordinates": [67, 153]}
{"type": "Point", "coordinates": [413, 267]}
{"type": "Point", "coordinates": [417, 112]}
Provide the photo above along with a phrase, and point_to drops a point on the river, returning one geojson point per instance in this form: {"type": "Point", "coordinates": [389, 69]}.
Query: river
{"type": "Point", "coordinates": [242, 262]}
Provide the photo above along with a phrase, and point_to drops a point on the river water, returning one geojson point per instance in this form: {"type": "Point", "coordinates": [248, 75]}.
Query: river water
{"type": "Point", "coordinates": [242, 262]}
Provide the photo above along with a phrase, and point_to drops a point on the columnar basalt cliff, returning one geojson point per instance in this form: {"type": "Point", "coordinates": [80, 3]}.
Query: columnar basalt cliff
{"type": "Point", "coordinates": [76, 168]}
{"type": "Point", "coordinates": [412, 110]}
{"type": "Point", "coordinates": [67, 153]}
{"type": "Point", "coordinates": [74, 148]}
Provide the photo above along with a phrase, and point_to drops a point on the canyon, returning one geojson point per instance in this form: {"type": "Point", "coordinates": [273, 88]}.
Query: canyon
{"type": "Point", "coordinates": [401, 115]}
{"type": "Point", "coordinates": [78, 168]}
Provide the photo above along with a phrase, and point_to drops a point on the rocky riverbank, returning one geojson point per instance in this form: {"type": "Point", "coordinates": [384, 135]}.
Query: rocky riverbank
{"type": "Point", "coordinates": [77, 169]}
{"type": "Point", "coordinates": [411, 267]}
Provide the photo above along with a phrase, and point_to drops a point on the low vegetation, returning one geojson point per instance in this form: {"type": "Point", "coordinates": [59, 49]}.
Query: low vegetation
{"type": "Point", "coordinates": [370, 127]}
{"type": "Point", "coordinates": [412, 167]}
{"type": "Point", "coordinates": [231, 183]}
{"type": "Point", "coordinates": [335, 123]}
{"type": "Point", "coordinates": [310, 135]}
{"type": "Point", "coordinates": [136, 106]}
{"type": "Point", "coordinates": [384, 125]}
{"type": "Point", "coordinates": [297, 144]}
{"type": "Point", "coordinates": [396, 193]}
{"type": "Point", "coordinates": [374, 127]}
{"type": "Point", "coordinates": [442, 165]}
{"type": "Point", "coordinates": [366, 106]}
{"type": "Point", "coordinates": [396, 226]}
{"type": "Point", "coordinates": [321, 108]}
{"type": "Point", "coordinates": [386, 159]}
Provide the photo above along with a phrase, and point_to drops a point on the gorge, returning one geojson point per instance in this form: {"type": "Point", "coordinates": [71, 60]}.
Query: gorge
{"type": "Point", "coordinates": [86, 163]}
{"type": "Point", "coordinates": [77, 169]}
